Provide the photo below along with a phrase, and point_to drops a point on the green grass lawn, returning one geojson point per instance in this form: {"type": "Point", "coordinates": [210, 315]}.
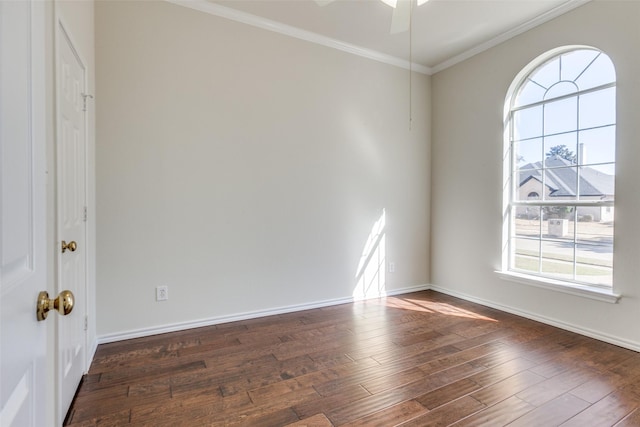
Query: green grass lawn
{"type": "Point", "coordinates": [567, 258]}
{"type": "Point", "coordinates": [556, 264]}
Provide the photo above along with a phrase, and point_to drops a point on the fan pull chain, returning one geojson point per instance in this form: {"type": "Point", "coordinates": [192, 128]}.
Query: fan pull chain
{"type": "Point", "coordinates": [410, 63]}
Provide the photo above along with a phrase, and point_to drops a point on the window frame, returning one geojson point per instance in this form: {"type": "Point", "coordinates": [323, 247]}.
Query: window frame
{"type": "Point", "coordinates": [511, 179]}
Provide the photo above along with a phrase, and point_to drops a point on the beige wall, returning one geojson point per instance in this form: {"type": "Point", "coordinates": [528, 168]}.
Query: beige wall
{"type": "Point", "coordinates": [467, 148]}
{"type": "Point", "coordinates": [245, 169]}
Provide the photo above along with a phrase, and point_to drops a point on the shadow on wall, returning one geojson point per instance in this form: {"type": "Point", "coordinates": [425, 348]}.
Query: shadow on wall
{"type": "Point", "coordinates": [370, 275]}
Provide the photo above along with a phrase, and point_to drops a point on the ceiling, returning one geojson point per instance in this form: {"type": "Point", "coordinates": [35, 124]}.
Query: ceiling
{"type": "Point", "coordinates": [443, 31]}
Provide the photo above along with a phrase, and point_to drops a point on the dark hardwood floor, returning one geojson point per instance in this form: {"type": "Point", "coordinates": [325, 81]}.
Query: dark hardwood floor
{"type": "Point", "coordinates": [421, 359]}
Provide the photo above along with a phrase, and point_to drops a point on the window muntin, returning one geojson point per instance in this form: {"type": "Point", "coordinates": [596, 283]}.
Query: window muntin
{"type": "Point", "coordinates": [562, 143]}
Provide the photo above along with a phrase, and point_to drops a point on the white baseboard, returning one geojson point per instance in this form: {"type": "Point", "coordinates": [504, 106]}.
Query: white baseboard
{"type": "Point", "coordinates": [621, 342]}
{"type": "Point", "coordinates": [143, 332]}
{"type": "Point", "coordinates": [400, 291]}
{"type": "Point", "coordinates": [154, 330]}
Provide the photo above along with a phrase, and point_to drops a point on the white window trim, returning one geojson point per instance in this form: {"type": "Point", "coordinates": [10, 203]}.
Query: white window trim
{"type": "Point", "coordinates": [571, 288]}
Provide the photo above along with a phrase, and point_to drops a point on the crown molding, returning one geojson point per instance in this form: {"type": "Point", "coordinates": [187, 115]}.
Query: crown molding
{"type": "Point", "coordinates": [288, 30]}
{"type": "Point", "coordinates": [291, 31]}
{"type": "Point", "coordinates": [538, 20]}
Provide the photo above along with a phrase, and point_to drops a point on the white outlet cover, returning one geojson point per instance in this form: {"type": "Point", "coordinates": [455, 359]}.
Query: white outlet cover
{"type": "Point", "coordinates": [162, 293]}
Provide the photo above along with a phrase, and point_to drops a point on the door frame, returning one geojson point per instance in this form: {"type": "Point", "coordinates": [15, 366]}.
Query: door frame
{"type": "Point", "coordinates": [63, 35]}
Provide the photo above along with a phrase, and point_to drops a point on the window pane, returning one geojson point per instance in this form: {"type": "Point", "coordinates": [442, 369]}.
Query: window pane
{"type": "Point", "coordinates": [548, 74]}
{"type": "Point", "coordinates": [530, 184]}
{"type": "Point", "coordinates": [558, 223]}
{"type": "Point", "coordinates": [527, 255]}
{"type": "Point", "coordinates": [597, 145]}
{"type": "Point", "coordinates": [561, 116]}
{"type": "Point", "coordinates": [557, 259]}
{"type": "Point", "coordinates": [529, 152]}
{"type": "Point", "coordinates": [574, 63]}
{"type": "Point", "coordinates": [595, 225]}
{"type": "Point", "coordinates": [597, 108]}
{"type": "Point", "coordinates": [529, 93]}
{"type": "Point", "coordinates": [606, 168]}
{"type": "Point", "coordinates": [594, 264]}
{"type": "Point", "coordinates": [560, 183]}
{"type": "Point", "coordinates": [596, 185]}
{"type": "Point", "coordinates": [599, 73]}
{"type": "Point", "coordinates": [563, 146]}
{"type": "Point", "coordinates": [560, 89]}
{"type": "Point", "coordinates": [527, 222]}
{"type": "Point", "coordinates": [527, 123]}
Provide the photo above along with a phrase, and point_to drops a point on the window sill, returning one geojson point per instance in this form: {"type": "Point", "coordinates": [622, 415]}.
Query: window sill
{"type": "Point", "coordinates": [560, 286]}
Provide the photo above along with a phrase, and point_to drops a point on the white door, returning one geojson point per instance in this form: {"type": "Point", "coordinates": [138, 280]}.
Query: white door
{"type": "Point", "coordinates": [23, 263]}
{"type": "Point", "coordinates": [71, 163]}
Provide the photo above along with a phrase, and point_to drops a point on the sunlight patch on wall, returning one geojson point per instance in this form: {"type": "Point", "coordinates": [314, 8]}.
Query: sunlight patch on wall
{"type": "Point", "coordinates": [370, 274]}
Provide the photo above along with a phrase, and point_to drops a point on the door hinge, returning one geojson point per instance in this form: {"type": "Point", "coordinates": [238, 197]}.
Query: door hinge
{"type": "Point", "coordinates": [86, 322]}
{"type": "Point", "coordinates": [84, 214]}
{"type": "Point", "coordinates": [84, 100]}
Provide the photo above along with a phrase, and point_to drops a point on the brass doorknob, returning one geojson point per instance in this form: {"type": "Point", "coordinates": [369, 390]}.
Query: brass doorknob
{"type": "Point", "coordinates": [72, 246]}
{"type": "Point", "coordinates": [63, 304]}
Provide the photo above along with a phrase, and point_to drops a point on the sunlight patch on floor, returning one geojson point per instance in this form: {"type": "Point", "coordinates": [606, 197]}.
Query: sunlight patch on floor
{"type": "Point", "coordinates": [431, 307]}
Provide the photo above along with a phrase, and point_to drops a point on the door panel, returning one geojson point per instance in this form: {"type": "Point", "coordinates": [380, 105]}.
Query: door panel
{"type": "Point", "coordinates": [71, 218]}
{"type": "Point", "coordinates": [23, 213]}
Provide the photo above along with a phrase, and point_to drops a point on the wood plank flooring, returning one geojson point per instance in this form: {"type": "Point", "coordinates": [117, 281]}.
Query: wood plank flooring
{"type": "Point", "coordinates": [420, 359]}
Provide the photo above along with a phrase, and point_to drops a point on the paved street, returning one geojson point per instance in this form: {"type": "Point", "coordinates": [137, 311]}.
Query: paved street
{"type": "Point", "coordinates": [596, 239]}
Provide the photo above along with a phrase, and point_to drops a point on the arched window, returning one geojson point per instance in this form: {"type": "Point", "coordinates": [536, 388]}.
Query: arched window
{"type": "Point", "coordinates": [560, 138]}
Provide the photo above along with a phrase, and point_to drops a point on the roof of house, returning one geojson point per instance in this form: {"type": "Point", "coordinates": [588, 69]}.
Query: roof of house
{"type": "Point", "coordinates": [561, 178]}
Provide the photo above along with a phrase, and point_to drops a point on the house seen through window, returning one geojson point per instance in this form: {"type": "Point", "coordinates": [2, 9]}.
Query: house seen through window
{"type": "Point", "coordinates": [562, 136]}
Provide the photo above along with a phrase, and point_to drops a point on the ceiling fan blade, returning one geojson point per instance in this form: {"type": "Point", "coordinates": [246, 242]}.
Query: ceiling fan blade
{"type": "Point", "coordinates": [401, 16]}
{"type": "Point", "coordinates": [324, 2]}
